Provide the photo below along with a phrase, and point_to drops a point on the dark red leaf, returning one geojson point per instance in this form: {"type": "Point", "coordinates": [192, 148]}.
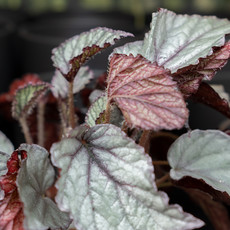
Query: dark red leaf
{"type": "Point", "coordinates": [11, 212]}
{"type": "Point", "coordinates": [11, 208]}
{"type": "Point", "coordinates": [145, 93]}
{"type": "Point", "coordinates": [190, 77]}
{"type": "Point", "coordinates": [189, 182]}
{"type": "Point", "coordinates": [215, 211]}
{"type": "Point", "coordinates": [208, 96]}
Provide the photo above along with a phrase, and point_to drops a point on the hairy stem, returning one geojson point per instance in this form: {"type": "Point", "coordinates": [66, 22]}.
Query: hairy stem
{"type": "Point", "coordinates": [145, 140]}
{"type": "Point", "coordinates": [25, 130]}
{"type": "Point", "coordinates": [63, 115]}
{"type": "Point", "coordinates": [162, 179]}
{"type": "Point", "coordinates": [72, 117]}
{"type": "Point", "coordinates": [41, 123]}
{"type": "Point", "coordinates": [160, 162]}
{"type": "Point", "coordinates": [107, 113]}
{"type": "Point", "coordinates": [165, 184]}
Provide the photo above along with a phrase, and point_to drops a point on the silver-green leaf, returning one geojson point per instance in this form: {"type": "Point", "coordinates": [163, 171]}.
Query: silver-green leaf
{"type": "Point", "coordinates": [6, 149]}
{"type": "Point", "coordinates": [84, 46]}
{"type": "Point", "coordinates": [107, 183]}
{"type": "Point", "coordinates": [35, 176]}
{"type": "Point", "coordinates": [202, 155]}
{"type": "Point", "coordinates": [60, 86]}
{"type": "Point", "coordinates": [176, 41]}
{"type": "Point", "coordinates": [97, 108]}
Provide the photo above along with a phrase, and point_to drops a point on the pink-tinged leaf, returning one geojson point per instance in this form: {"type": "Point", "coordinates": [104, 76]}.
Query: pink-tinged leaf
{"type": "Point", "coordinates": [26, 98]}
{"type": "Point", "coordinates": [208, 96]}
{"type": "Point", "coordinates": [190, 77]}
{"type": "Point", "coordinates": [145, 93]}
{"type": "Point", "coordinates": [188, 83]}
{"type": "Point", "coordinates": [11, 208]}
{"type": "Point", "coordinates": [11, 212]}
{"type": "Point", "coordinates": [73, 53]}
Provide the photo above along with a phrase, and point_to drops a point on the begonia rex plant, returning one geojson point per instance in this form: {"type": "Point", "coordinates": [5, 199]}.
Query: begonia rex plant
{"type": "Point", "coordinates": [96, 173]}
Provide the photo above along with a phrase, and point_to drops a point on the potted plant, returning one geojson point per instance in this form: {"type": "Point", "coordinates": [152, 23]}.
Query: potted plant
{"type": "Point", "coordinates": [96, 172]}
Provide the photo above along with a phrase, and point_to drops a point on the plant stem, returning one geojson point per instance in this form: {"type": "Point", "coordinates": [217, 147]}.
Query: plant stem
{"type": "Point", "coordinates": [166, 184]}
{"type": "Point", "coordinates": [160, 162]}
{"type": "Point", "coordinates": [107, 113]}
{"type": "Point", "coordinates": [63, 115]}
{"type": "Point", "coordinates": [41, 123]}
{"type": "Point", "coordinates": [145, 140]}
{"type": "Point", "coordinates": [72, 118]}
{"type": "Point", "coordinates": [25, 130]}
{"type": "Point", "coordinates": [162, 179]}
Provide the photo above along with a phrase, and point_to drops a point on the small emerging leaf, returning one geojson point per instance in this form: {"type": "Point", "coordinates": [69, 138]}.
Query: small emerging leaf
{"type": "Point", "coordinates": [70, 55]}
{"type": "Point", "coordinates": [95, 110]}
{"type": "Point", "coordinates": [202, 155]}
{"type": "Point", "coordinates": [60, 85]}
{"type": "Point", "coordinates": [107, 183]}
{"type": "Point", "coordinates": [145, 93]}
{"type": "Point", "coordinates": [26, 98]}
{"type": "Point", "coordinates": [36, 175]}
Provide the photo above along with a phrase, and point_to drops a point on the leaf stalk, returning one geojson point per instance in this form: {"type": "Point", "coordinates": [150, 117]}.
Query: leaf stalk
{"type": "Point", "coordinates": [25, 130]}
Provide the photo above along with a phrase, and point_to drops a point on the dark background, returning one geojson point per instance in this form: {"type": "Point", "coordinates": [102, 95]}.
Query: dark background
{"type": "Point", "coordinates": [30, 29]}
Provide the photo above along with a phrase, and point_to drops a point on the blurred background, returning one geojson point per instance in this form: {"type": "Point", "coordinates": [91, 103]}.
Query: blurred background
{"type": "Point", "coordinates": [30, 29]}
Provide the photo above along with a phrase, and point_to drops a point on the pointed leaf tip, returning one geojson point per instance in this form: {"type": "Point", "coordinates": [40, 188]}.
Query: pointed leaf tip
{"type": "Point", "coordinates": [177, 41]}
{"type": "Point", "coordinates": [145, 93]}
{"type": "Point", "coordinates": [111, 179]}
{"type": "Point", "coordinates": [71, 54]}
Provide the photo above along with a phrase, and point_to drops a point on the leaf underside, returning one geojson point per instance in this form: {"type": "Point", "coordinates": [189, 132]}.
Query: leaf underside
{"type": "Point", "coordinates": [145, 93]}
{"type": "Point", "coordinates": [208, 96]}
{"type": "Point", "coordinates": [107, 183]}
{"type": "Point", "coordinates": [202, 155]}
{"type": "Point", "coordinates": [190, 77]}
